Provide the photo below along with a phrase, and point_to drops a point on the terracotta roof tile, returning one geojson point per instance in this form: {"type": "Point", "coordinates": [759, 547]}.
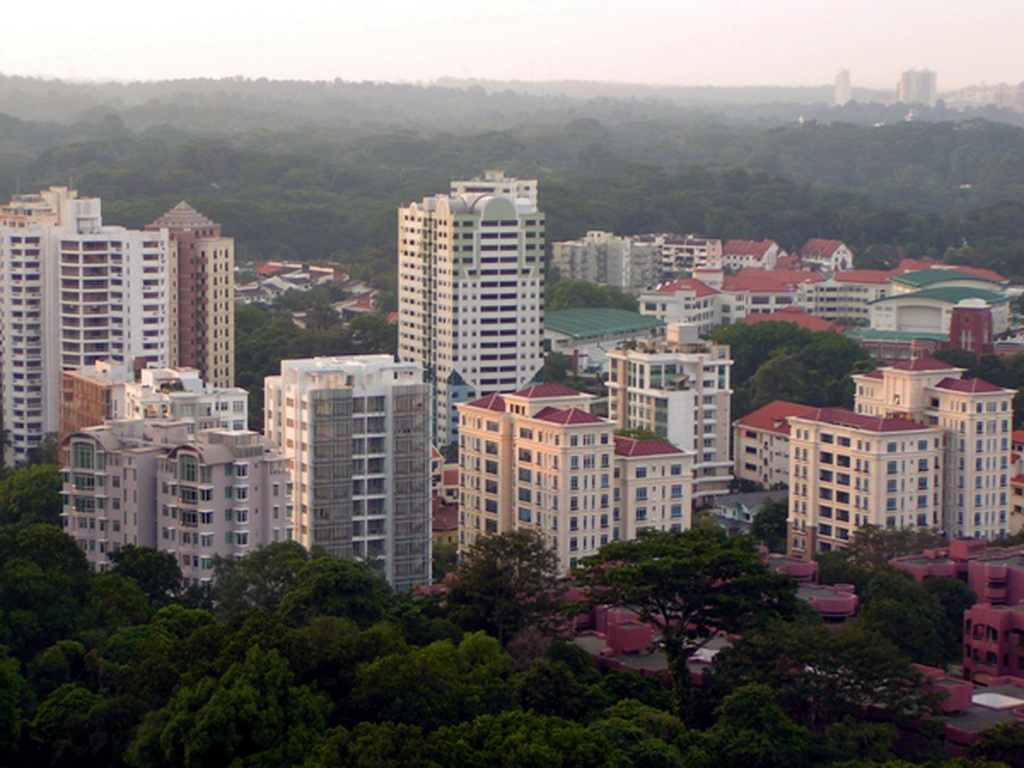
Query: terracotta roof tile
{"type": "Point", "coordinates": [923, 364]}
{"type": "Point", "coordinates": [547, 390]}
{"type": "Point", "coordinates": [774, 417]}
{"type": "Point", "coordinates": [968, 385]}
{"type": "Point", "coordinates": [699, 289]}
{"type": "Point", "coordinates": [493, 402]}
{"type": "Point", "coordinates": [846, 418]}
{"type": "Point", "coordinates": [628, 446]}
{"type": "Point", "coordinates": [792, 315]}
{"type": "Point", "coordinates": [568, 416]}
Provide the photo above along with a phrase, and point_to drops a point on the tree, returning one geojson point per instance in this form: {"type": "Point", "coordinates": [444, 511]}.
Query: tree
{"type": "Point", "coordinates": [31, 495]}
{"type": "Point", "coordinates": [872, 546]}
{"type": "Point", "coordinates": [260, 579]}
{"type": "Point", "coordinates": [157, 573]}
{"type": "Point", "coordinates": [693, 585]}
{"type": "Point", "coordinates": [327, 586]}
{"type": "Point", "coordinates": [13, 693]}
{"type": "Point", "coordinates": [752, 731]}
{"type": "Point", "coordinates": [771, 524]}
{"type": "Point", "coordinates": [1003, 742]}
{"type": "Point", "coordinates": [575, 294]}
{"type": "Point", "coordinates": [506, 583]}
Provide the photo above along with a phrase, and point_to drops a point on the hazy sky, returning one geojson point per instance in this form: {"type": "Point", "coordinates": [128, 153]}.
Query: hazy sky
{"type": "Point", "coordinates": [682, 42]}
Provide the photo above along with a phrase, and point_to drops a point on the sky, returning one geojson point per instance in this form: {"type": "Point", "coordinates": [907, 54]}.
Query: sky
{"type": "Point", "coordinates": [665, 42]}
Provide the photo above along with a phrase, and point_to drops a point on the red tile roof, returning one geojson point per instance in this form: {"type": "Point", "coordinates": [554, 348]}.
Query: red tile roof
{"type": "Point", "coordinates": [874, 375]}
{"type": "Point", "coordinates": [968, 385]}
{"type": "Point", "coordinates": [747, 247]}
{"type": "Point", "coordinates": [846, 418]}
{"type": "Point", "coordinates": [821, 247]}
{"type": "Point", "coordinates": [1017, 480]}
{"type": "Point", "coordinates": [796, 276]}
{"type": "Point", "coordinates": [568, 416]}
{"type": "Point", "coordinates": [445, 518]}
{"type": "Point", "coordinates": [754, 280]}
{"type": "Point", "coordinates": [923, 364]}
{"type": "Point", "coordinates": [490, 402]}
{"type": "Point", "coordinates": [547, 390]}
{"type": "Point", "coordinates": [699, 289]}
{"type": "Point", "coordinates": [628, 446]}
{"type": "Point", "coordinates": [792, 315]}
{"type": "Point", "coordinates": [270, 269]}
{"type": "Point", "coordinates": [988, 274]}
{"type": "Point", "coordinates": [774, 416]}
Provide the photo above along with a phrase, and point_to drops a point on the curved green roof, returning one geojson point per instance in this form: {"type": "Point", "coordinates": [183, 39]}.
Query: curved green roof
{"type": "Point", "coordinates": [952, 295]}
{"type": "Point", "coordinates": [593, 322]}
{"type": "Point", "coordinates": [925, 277]}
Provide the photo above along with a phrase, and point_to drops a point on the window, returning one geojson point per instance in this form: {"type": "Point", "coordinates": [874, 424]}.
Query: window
{"type": "Point", "coordinates": [641, 473]}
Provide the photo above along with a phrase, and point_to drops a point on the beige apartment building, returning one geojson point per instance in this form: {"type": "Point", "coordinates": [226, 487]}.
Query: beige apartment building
{"type": "Point", "coordinates": [219, 493]}
{"type": "Point", "coordinates": [761, 443]}
{"type": "Point", "coordinates": [358, 428]}
{"type": "Point", "coordinates": [680, 390]}
{"type": "Point", "coordinates": [848, 470]}
{"type": "Point", "coordinates": [977, 419]}
{"type": "Point", "coordinates": [538, 459]}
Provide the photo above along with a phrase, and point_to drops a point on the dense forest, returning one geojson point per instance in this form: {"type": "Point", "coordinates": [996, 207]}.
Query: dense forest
{"type": "Point", "coordinates": [316, 171]}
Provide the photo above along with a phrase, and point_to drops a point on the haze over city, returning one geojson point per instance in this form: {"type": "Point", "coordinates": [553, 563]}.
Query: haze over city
{"type": "Point", "coordinates": [743, 42]}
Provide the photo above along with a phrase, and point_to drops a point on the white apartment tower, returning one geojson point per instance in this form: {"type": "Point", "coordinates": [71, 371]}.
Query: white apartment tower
{"type": "Point", "coordinates": [72, 292]}
{"type": "Point", "coordinates": [359, 431]}
{"type": "Point", "coordinates": [471, 291]}
{"type": "Point", "coordinates": [680, 390]}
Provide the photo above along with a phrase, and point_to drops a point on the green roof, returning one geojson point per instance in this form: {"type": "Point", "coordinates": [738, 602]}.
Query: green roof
{"type": "Point", "coordinates": [593, 322]}
{"type": "Point", "coordinates": [870, 334]}
{"type": "Point", "coordinates": [925, 277]}
{"type": "Point", "coordinates": [951, 295]}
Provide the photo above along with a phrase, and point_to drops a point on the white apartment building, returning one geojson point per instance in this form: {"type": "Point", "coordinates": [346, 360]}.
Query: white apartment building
{"type": "Point", "coordinates": [72, 292]}
{"type": "Point", "coordinates": [471, 291]}
{"type": "Point", "coordinates": [976, 418]}
{"type": "Point", "coordinates": [359, 431]}
{"type": "Point", "coordinates": [848, 470]}
{"type": "Point", "coordinates": [680, 390]}
{"type": "Point", "coordinates": [181, 395]}
{"type": "Point", "coordinates": [690, 302]}
{"type": "Point", "coordinates": [761, 443]}
{"type": "Point", "coordinates": [608, 259]}
{"type": "Point", "coordinates": [220, 493]}
{"type": "Point", "coordinates": [538, 459]}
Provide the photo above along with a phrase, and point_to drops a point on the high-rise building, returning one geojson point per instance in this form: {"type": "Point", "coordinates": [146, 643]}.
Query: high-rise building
{"type": "Point", "coordinates": [72, 292]}
{"type": "Point", "coordinates": [917, 87]}
{"type": "Point", "coordinates": [843, 93]}
{"type": "Point", "coordinates": [358, 428]}
{"type": "Point", "coordinates": [538, 459]}
{"type": "Point", "coordinates": [203, 315]}
{"type": "Point", "coordinates": [219, 493]}
{"type": "Point", "coordinates": [471, 291]}
{"type": "Point", "coordinates": [679, 389]}
{"type": "Point", "coordinates": [608, 259]}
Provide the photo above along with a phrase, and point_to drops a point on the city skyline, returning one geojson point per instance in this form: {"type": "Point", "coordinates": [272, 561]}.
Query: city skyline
{"type": "Point", "coordinates": [408, 42]}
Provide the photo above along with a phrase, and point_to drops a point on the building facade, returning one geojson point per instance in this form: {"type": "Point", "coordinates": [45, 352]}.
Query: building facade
{"type": "Point", "coordinates": [608, 259]}
{"type": "Point", "coordinates": [680, 390]}
{"type": "Point", "coordinates": [471, 291]}
{"type": "Point", "coordinates": [538, 459]}
{"type": "Point", "coordinates": [73, 292]}
{"type": "Point", "coordinates": [761, 443]}
{"type": "Point", "coordinates": [203, 314]}
{"type": "Point", "coordinates": [358, 428]}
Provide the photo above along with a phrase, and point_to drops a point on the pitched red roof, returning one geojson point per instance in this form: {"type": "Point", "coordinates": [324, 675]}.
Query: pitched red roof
{"type": "Point", "coordinates": [567, 416]}
{"type": "Point", "coordinates": [874, 276]}
{"type": "Point", "coordinates": [792, 315]}
{"type": "Point", "coordinates": [493, 402]}
{"type": "Point", "coordinates": [923, 364]}
{"type": "Point", "coordinates": [968, 385]}
{"type": "Point", "coordinates": [547, 390]}
{"type": "Point", "coordinates": [628, 446]}
{"type": "Point", "coordinates": [444, 518]}
{"type": "Point", "coordinates": [774, 416]}
{"type": "Point", "coordinates": [1017, 436]}
{"type": "Point", "coordinates": [844, 417]}
{"type": "Point", "coordinates": [699, 289]}
{"type": "Point", "coordinates": [873, 375]}
{"type": "Point", "coordinates": [796, 276]}
{"type": "Point", "coordinates": [747, 247]}
{"type": "Point", "coordinates": [754, 280]}
{"type": "Point", "coordinates": [988, 274]}
{"type": "Point", "coordinates": [818, 246]}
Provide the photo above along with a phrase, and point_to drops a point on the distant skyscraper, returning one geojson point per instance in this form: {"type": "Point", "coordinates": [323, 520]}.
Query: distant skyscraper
{"type": "Point", "coordinates": [203, 315]}
{"type": "Point", "coordinates": [471, 291]}
{"type": "Point", "coordinates": [917, 87]}
{"type": "Point", "coordinates": [842, 94]}
{"type": "Point", "coordinates": [73, 292]}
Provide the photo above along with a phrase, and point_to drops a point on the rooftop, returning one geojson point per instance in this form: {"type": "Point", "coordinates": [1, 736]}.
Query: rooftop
{"type": "Point", "coordinates": [493, 402]}
{"type": "Point", "coordinates": [969, 385]}
{"type": "Point", "coordinates": [591, 322]}
{"type": "Point", "coordinates": [628, 446]}
{"type": "Point", "coordinates": [568, 416]}
{"type": "Point", "coordinates": [792, 315]}
{"type": "Point", "coordinates": [924, 277]}
{"type": "Point", "coordinates": [774, 416]}
{"type": "Point", "coordinates": [548, 390]}
{"type": "Point", "coordinates": [818, 246]}
{"type": "Point", "coordinates": [844, 417]}
{"type": "Point", "coordinates": [871, 334]}
{"type": "Point", "coordinates": [699, 288]}
{"type": "Point", "coordinates": [747, 247]}
{"type": "Point", "coordinates": [924, 364]}
{"type": "Point", "coordinates": [950, 295]}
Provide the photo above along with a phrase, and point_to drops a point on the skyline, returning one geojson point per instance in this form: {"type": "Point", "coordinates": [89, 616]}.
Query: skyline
{"type": "Point", "coordinates": [781, 42]}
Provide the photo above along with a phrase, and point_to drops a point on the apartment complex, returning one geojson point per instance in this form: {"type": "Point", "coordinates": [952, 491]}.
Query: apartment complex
{"type": "Point", "coordinates": [538, 459]}
{"type": "Point", "coordinates": [221, 493]}
{"type": "Point", "coordinates": [73, 292]}
{"type": "Point", "coordinates": [203, 327]}
{"type": "Point", "coordinates": [679, 389]}
{"type": "Point", "coordinates": [602, 257]}
{"type": "Point", "coordinates": [761, 443]}
{"type": "Point", "coordinates": [976, 418]}
{"type": "Point", "coordinates": [848, 470]}
{"type": "Point", "coordinates": [470, 291]}
{"type": "Point", "coordinates": [917, 87]}
{"type": "Point", "coordinates": [358, 429]}
{"type": "Point", "coordinates": [93, 394]}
